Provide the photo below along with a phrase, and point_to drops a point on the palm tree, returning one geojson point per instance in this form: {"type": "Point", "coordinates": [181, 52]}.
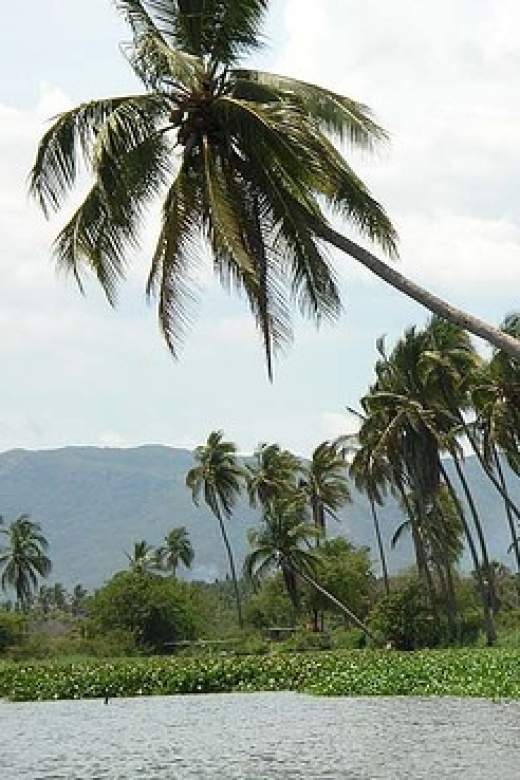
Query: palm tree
{"type": "Point", "coordinates": [244, 160]}
{"type": "Point", "coordinates": [373, 477]}
{"type": "Point", "coordinates": [78, 599]}
{"type": "Point", "coordinates": [324, 483]}
{"type": "Point", "coordinates": [217, 478]}
{"type": "Point", "coordinates": [422, 423]}
{"type": "Point", "coordinates": [178, 549]}
{"type": "Point", "coordinates": [143, 559]}
{"type": "Point", "coordinates": [454, 373]}
{"type": "Point", "coordinates": [325, 487]}
{"type": "Point", "coordinates": [284, 542]}
{"type": "Point", "coordinates": [23, 560]}
{"type": "Point", "coordinates": [496, 395]}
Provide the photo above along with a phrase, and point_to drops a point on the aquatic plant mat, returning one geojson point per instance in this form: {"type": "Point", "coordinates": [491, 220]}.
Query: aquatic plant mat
{"type": "Point", "coordinates": [490, 673]}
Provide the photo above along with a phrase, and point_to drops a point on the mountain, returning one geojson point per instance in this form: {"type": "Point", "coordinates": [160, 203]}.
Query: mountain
{"type": "Point", "coordinates": [94, 503]}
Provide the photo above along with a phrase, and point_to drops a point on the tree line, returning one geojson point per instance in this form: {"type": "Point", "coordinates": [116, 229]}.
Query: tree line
{"type": "Point", "coordinates": [433, 399]}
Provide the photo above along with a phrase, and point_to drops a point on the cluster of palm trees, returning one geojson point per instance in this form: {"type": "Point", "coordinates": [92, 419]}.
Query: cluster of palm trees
{"type": "Point", "coordinates": [166, 558]}
{"type": "Point", "coordinates": [23, 558]}
{"type": "Point", "coordinates": [433, 399]}
{"type": "Point", "coordinates": [295, 499]}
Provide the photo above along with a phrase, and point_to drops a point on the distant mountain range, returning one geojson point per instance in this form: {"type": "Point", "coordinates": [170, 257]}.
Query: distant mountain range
{"type": "Point", "coordinates": [94, 503]}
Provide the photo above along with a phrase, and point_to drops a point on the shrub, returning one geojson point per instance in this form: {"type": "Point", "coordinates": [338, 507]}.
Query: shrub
{"type": "Point", "coordinates": [404, 619]}
{"type": "Point", "coordinates": [12, 629]}
{"type": "Point", "coordinates": [153, 609]}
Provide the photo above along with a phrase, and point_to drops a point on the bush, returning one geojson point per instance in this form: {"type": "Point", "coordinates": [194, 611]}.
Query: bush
{"type": "Point", "coordinates": [351, 639]}
{"type": "Point", "coordinates": [154, 610]}
{"type": "Point", "coordinates": [404, 619]}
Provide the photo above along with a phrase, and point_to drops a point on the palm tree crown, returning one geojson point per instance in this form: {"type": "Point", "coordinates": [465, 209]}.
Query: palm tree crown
{"type": "Point", "coordinates": [178, 549]}
{"type": "Point", "coordinates": [244, 159]}
{"type": "Point", "coordinates": [217, 476]}
{"type": "Point", "coordinates": [23, 560]}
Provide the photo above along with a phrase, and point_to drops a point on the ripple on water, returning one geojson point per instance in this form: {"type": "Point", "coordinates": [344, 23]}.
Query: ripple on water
{"type": "Point", "coordinates": [260, 736]}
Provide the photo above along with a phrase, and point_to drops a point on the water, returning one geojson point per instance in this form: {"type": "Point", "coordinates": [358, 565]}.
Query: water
{"type": "Point", "coordinates": [260, 737]}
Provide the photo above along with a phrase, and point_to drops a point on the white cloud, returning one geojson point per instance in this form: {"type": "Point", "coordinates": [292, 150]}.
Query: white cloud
{"type": "Point", "coordinates": [440, 78]}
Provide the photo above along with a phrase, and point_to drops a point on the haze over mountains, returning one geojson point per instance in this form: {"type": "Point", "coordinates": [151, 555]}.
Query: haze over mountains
{"type": "Point", "coordinates": [94, 503]}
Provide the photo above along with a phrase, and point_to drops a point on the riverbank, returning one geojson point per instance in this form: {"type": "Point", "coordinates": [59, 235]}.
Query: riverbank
{"type": "Point", "coordinates": [488, 673]}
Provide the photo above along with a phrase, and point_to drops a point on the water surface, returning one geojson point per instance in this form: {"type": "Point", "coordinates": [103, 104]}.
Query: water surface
{"type": "Point", "coordinates": [260, 736]}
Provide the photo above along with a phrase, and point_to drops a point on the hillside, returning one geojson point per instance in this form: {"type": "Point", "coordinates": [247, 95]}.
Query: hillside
{"type": "Point", "coordinates": [93, 503]}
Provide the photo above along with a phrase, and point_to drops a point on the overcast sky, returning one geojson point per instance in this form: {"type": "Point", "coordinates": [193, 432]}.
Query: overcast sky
{"type": "Point", "coordinates": [441, 77]}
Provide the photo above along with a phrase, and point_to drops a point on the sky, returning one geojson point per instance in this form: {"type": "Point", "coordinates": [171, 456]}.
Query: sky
{"type": "Point", "coordinates": [441, 78]}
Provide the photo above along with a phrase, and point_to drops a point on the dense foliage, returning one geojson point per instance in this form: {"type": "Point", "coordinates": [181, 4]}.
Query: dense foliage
{"type": "Point", "coordinates": [154, 609]}
{"type": "Point", "coordinates": [479, 673]}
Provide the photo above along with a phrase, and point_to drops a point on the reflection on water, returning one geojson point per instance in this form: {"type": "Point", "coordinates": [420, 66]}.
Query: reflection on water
{"type": "Point", "coordinates": [260, 736]}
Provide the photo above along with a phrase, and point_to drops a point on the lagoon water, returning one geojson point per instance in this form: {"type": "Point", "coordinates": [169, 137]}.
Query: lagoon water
{"type": "Point", "coordinates": [264, 736]}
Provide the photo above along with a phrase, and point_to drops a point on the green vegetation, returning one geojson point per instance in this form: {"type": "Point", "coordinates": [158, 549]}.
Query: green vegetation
{"type": "Point", "coordinates": [479, 673]}
{"type": "Point", "coordinates": [314, 597]}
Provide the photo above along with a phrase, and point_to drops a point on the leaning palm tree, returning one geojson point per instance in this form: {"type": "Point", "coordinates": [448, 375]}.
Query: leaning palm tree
{"type": "Point", "coordinates": [245, 162]}
{"type": "Point", "coordinates": [283, 542]}
{"type": "Point", "coordinates": [217, 478]}
{"type": "Point", "coordinates": [23, 559]}
{"type": "Point", "coordinates": [178, 549]}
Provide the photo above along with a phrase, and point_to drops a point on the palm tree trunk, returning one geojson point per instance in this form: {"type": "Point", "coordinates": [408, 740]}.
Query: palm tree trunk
{"type": "Point", "coordinates": [380, 546]}
{"type": "Point", "coordinates": [420, 553]}
{"type": "Point", "coordinates": [489, 623]}
{"type": "Point", "coordinates": [486, 468]}
{"type": "Point", "coordinates": [346, 611]}
{"type": "Point", "coordinates": [486, 563]}
{"type": "Point", "coordinates": [232, 570]}
{"type": "Point", "coordinates": [515, 544]}
{"type": "Point", "coordinates": [468, 322]}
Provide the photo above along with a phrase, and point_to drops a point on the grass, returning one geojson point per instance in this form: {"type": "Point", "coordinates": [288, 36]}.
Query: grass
{"type": "Point", "coordinates": [478, 672]}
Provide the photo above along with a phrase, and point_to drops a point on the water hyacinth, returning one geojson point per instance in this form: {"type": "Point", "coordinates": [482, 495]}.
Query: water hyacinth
{"type": "Point", "coordinates": [476, 672]}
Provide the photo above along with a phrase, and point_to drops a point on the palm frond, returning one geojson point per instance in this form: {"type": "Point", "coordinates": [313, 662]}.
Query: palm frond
{"type": "Point", "coordinates": [220, 30]}
{"type": "Point", "coordinates": [159, 66]}
{"type": "Point", "coordinates": [72, 138]}
{"type": "Point", "coordinates": [335, 114]}
{"type": "Point", "coordinates": [177, 255]}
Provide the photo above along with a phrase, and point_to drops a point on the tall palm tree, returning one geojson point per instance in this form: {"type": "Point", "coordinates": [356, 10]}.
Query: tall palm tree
{"type": "Point", "coordinates": [324, 483]}
{"type": "Point", "coordinates": [178, 549]}
{"type": "Point", "coordinates": [217, 478]}
{"type": "Point", "coordinates": [23, 559]}
{"type": "Point", "coordinates": [422, 424]}
{"type": "Point", "coordinates": [457, 377]}
{"type": "Point", "coordinates": [372, 476]}
{"type": "Point", "coordinates": [243, 159]}
{"type": "Point", "coordinates": [497, 399]}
